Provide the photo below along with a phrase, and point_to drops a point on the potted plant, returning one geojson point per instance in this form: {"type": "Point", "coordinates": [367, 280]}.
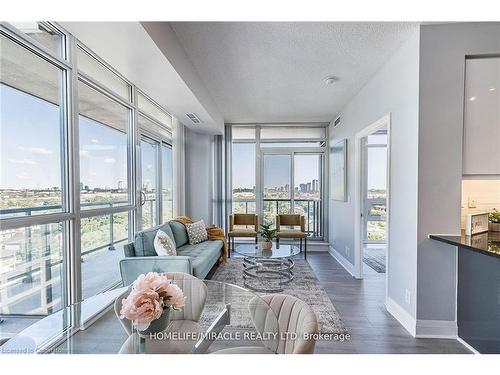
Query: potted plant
{"type": "Point", "coordinates": [494, 219]}
{"type": "Point", "coordinates": [267, 234]}
{"type": "Point", "coordinates": [151, 299]}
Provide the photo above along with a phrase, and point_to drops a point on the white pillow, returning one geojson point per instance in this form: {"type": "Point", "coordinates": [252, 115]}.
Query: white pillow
{"type": "Point", "coordinates": [164, 246]}
{"type": "Point", "coordinates": [196, 232]}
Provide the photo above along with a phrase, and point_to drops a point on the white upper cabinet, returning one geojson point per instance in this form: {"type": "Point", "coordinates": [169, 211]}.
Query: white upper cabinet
{"type": "Point", "coordinates": [481, 146]}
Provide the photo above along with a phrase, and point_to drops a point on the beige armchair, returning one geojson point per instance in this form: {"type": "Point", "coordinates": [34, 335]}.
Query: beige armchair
{"type": "Point", "coordinates": [184, 320]}
{"type": "Point", "coordinates": [295, 318]}
{"type": "Point", "coordinates": [292, 221]}
{"type": "Point", "coordinates": [251, 223]}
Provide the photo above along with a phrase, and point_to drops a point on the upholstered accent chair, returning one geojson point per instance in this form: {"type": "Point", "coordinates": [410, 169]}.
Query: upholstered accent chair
{"type": "Point", "coordinates": [292, 221]}
{"type": "Point", "coordinates": [184, 320]}
{"type": "Point", "coordinates": [251, 223]}
{"type": "Point", "coordinates": [295, 318]}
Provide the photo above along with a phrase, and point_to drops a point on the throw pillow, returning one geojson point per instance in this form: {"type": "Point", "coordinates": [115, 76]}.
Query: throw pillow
{"type": "Point", "coordinates": [196, 232]}
{"type": "Point", "coordinates": [163, 244]}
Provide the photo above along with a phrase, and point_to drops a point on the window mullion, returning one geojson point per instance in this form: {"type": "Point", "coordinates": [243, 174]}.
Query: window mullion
{"type": "Point", "coordinates": [72, 171]}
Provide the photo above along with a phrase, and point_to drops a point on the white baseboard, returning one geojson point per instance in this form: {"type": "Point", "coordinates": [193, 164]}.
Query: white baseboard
{"type": "Point", "coordinates": [401, 315]}
{"type": "Point", "coordinates": [468, 346]}
{"type": "Point", "coordinates": [437, 329]}
{"type": "Point", "coordinates": [343, 261]}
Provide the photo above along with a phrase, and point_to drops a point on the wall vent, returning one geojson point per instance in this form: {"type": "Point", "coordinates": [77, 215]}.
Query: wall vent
{"type": "Point", "coordinates": [336, 122]}
{"type": "Point", "coordinates": [195, 119]}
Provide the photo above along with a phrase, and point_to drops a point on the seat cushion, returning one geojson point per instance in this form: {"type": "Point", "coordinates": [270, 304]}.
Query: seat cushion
{"type": "Point", "coordinates": [180, 233]}
{"type": "Point", "coordinates": [243, 232]}
{"type": "Point", "coordinates": [204, 256]}
{"type": "Point", "coordinates": [144, 241]}
{"type": "Point", "coordinates": [291, 234]}
{"type": "Point", "coordinates": [244, 350]}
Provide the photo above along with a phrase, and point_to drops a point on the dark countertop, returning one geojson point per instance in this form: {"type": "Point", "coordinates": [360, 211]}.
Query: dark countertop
{"type": "Point", "coordinates": [486, 243]}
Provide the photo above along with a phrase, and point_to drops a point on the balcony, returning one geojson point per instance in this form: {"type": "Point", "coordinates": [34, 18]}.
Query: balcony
{"type": "Point", "coordinates": [310, 208]}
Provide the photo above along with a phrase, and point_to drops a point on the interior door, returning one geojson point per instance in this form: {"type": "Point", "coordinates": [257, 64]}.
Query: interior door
{"type": "Point", "coordinates": [150, 198]}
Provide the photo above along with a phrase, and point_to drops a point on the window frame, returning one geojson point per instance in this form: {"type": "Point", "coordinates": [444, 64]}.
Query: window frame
{"type": "Point", "coordinates": [259, 169]}
{"type": "Point", "coordinates": [72, 214]}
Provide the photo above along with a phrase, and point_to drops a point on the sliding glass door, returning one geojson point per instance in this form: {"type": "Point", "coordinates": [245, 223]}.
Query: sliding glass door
{"type": "Point", "coordinates": [291, 183]}
{"type": "Point", "coordinates": [277, 182]}
{"type": "Point", "coordinates": [156, 182]}
{"type": "Point", "coordinates": [307, 190]}
{"type": "Point", "coordinates": [149, 182]}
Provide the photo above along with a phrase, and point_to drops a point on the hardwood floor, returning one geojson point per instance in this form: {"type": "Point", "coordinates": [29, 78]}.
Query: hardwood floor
{"type": "Point", "coordinates": [361, 304]}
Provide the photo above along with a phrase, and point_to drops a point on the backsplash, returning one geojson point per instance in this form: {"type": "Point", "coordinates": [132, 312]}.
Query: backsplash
{"type": "Point", "coordinates": [479, 196]}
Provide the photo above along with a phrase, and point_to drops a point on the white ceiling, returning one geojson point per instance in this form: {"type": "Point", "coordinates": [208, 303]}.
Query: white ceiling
{"type": "Point", "coordinates": [274, 71]}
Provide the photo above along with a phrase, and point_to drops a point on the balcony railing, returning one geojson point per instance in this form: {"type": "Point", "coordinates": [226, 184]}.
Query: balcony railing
{"type": "Point", "coordinates": [310, 208]}
{"type": "Point", "coordinates": [22, 277]}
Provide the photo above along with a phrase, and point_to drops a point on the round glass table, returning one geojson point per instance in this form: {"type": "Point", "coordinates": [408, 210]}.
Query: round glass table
{"type": "Point", "coordinates": [267, 270]}
{"type": "Point", "coordinates": [217, 316]}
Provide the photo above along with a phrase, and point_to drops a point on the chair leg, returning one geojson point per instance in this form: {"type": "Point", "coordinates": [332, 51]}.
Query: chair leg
{"type": "Point", "coordinates": [256, 240]}
{"type": "Point", "coordinates": [300, 244]}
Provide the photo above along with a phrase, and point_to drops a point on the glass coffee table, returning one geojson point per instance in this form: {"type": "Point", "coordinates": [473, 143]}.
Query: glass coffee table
{"type": "Point", "coordinates": [267, 270]}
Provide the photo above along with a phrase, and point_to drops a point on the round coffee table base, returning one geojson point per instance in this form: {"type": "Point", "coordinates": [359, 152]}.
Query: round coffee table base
{"type": "Point", "coordinates": [267, 275]}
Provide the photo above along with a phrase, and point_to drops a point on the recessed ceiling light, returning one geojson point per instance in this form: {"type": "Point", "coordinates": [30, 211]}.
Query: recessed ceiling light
{"type": "Point", "coordinates": [330, 80]}
{"type": "Point", "coordinates": [492, 89]}
{"type": "Point", "coordinates": [472, 98]}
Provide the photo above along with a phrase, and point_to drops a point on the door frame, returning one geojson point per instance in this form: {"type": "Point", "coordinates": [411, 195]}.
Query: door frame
{"type": "Point", "coordinates": [384, 122]}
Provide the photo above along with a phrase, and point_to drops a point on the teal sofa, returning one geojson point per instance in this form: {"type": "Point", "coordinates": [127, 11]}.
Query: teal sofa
{"type": "Point", "coordinates": [140, 256]}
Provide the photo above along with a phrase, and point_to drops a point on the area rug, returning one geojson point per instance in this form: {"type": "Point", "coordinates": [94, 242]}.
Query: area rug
{"type": "Point", "coordinates": [375, 259]}
{"type": "Point", "coordinates": [305, 286]}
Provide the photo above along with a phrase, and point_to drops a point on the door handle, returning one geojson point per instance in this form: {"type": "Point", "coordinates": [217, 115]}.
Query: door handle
{"type": "Point", "coordinates": [143, 198]}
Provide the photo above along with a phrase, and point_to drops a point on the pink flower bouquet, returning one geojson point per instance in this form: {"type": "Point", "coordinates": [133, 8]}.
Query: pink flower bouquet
{"type": "Point", "coordinates": [151, 294]}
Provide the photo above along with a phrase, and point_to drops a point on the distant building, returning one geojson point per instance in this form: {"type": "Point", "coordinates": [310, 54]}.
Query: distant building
{"type": "Point", "coordinates": [303, 188]}
{"type": "Point", "coordinates": [308, 186]}
{"type": "Point", "coordinates": [315, 185]}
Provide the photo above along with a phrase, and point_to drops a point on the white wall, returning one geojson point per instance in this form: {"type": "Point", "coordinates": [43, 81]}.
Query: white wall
{"type": "Point", "coordinates": [166, 40]}
{"type": "Point", "coordinates": [394, 89]}
{"type": "Point", "coordinates": [199, 176]}
{"type": "Point", "coordinates": [442, 60]}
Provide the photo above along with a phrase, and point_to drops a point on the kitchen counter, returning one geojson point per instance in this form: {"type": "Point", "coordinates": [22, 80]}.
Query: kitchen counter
{"type": "Point", "coordinates": [486, 243]}
{"type": "Point", "coordinates": [478, 286]}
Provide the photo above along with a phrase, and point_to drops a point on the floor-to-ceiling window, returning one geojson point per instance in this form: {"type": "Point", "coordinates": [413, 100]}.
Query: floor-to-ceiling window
{"type": "Point", "coordinates": [105, 132]}
{"type": "Point", "coordinates": [68, 170]}
{"type": "Point", "coordinates": [155, 126]}
{"type": "Point", "coordinates": [243, 170]}
{"type": "Point", "coordinates": [32, 188]}
{"type": "Point", "coordinates": [279, 170]}
{"type": "Point", "coordinates": [375, 187]}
